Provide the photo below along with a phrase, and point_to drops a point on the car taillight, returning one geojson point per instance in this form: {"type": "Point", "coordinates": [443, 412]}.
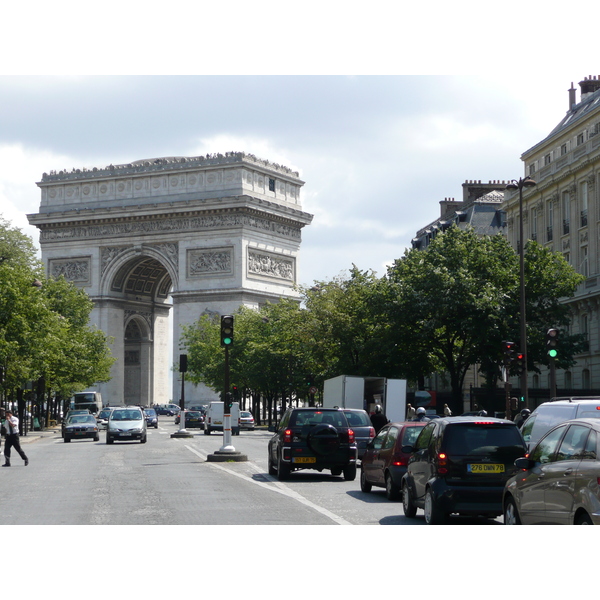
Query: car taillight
{"type": "Point", "coordinates": [287, 436]}
{"type": "Point", "coordinates": [350, 436]}
{"type": "Point", "coordinates": [442, 462]}
{"type": "Point", "coordinates": [399, 461]}
{"type": "Point", "coordinates": [371, 432]}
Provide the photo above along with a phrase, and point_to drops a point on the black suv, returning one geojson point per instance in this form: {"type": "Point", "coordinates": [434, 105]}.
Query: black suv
{"type": "Point", "coordinates": [313, 438]}
{"type": "Point", "coordinates": [460, 465]}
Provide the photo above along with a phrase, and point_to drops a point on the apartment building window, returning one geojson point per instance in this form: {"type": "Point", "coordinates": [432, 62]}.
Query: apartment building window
{"type": "Point", "coordinates": [580, 139]}
{"type": "Point", "coordinates": [583, 265]}
{"type": "Point", "coordinates": [549, 221]}
{"type": "Point", "coordinates": [583, 195]}
{"type": "Point", "coordinates": [566, 212]}
{"type": "Point", "coordinates": [585, 332]}
{"type": "Point", "coordinates": [585, 379]}
{"type": "Point", "coordinates": [567, 257]}
{"type": "Point", "coordinates": [271, 185]}
{"type": "Point", "coordinates": [534, 224]}
{"type": "Point", "coordinates": [568, 380]}
{"type": "Point", "coordinates": [547, 159]}
{"type": "Point", "coordinates": [531, 168]}
{"type": "Point", "coordinates": [563, 149]}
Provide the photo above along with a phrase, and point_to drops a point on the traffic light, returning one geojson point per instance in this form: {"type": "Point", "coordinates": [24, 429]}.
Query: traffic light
{"type": "Point", "coordinates": [228, 403]}
{"type": "Point", "coordinates": [226, 330]}
{"type": "Point", "coordinates": [182, 363]}
{"type": "Point", "coordinates": [520, 362]}
{"type": "Point", "coordinates": [552, 343]}
{"type": "Point", "coordinates": [509, 352]}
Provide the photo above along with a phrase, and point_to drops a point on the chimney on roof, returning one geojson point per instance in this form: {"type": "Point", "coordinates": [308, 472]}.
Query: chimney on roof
{"type": "Point", "coordinates": [588, 86]}
{"type": "Point", "coordinates": [572, 98]}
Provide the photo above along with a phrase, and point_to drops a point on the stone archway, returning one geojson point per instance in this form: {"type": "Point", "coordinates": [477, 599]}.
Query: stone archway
{"type": "Point", "coordinates": [188, 234]}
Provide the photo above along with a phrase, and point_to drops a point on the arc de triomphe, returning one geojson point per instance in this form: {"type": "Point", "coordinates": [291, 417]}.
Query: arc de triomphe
{"type": "Point", "coordinates": [192, 234]}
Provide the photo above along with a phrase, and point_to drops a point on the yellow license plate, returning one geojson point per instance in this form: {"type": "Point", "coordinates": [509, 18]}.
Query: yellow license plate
{"type": "Point", "coordinates": [304, 459]}
{"type": "Point", "coordinates": [485, 468]}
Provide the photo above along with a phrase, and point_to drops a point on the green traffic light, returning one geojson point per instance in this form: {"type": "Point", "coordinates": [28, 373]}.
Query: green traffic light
{"type": "Point", "coordinates": [227, 341]}
{"type": "Point", "coordinates": [552, 353]}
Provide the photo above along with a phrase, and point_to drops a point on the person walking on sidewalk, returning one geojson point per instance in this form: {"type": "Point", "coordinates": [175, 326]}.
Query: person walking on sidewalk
{"type": "Point", "coordinates": [12, 439]}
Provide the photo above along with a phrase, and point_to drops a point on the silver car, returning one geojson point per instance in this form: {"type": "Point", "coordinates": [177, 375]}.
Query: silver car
{"type": "Point", "coordinates": [558, 483]}
{"type": "Point", "coordinates": [102, 418]}
{"type": "Point", "coordinates": [125, 424]}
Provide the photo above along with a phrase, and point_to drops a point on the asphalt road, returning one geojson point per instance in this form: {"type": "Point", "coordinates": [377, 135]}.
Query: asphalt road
{"type": "Point", "coordinates": [168, 481]}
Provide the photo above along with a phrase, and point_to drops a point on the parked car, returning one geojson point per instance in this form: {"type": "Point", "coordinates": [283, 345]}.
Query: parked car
{"type": "Point", "coordinates": [151, 417]}
{"type": "Point", "coordinates": [363, 429]}
{"type": "Point", "coordinates": [313, 438]}
{"type": "Point", "coordinates": [246, 420]}
{"type": "Point", "coordinates": [102, 418]}
{"type": "Point", "coordinates": [559, 410]}
{"type": "Point", "coordinates": [460, 465]}
{"type": "Point", "coordinates": [559, 481]}
{"type": "Point", "coordinates": [125, 424]}
{"type": "Point", "coordinates": [384, 463]}
{"type": "Point", "coordinates": [168, 409]}
{"type": "Point", "coordinates": [80, 427]}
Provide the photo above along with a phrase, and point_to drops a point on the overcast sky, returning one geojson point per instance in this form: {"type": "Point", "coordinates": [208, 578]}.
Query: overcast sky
{"type": "Point", "coordinates": [377, 153]}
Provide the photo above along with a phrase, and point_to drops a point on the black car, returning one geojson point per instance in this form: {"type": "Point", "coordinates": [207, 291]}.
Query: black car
{"type": "Point", "coordinates": [460, 465]}
{"type": "Point", "coordinates": [151, 417]}
{"type": "Point", "coordinates": [194, 418]}
{"type": "Point", "coordinates": [313, 438]}
{"type": "Point", "coordinates": [80, 427]}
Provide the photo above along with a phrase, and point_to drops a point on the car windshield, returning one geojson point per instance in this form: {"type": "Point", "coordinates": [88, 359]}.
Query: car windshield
{"type": "Point", "coordinates": [150, 412]}
{"type": "Point", "coordinates": [104, 414]}
{"type": "Point", "coordinates": [357, 419]}
{"type": "Point", "coordinates": [318, 417]}
{"type": "Point", "coordinates": [126, 415]}
{"type": "Point", "coordinates": [81, 419]}
{"type": "Point", "coordinates": [476, 439]}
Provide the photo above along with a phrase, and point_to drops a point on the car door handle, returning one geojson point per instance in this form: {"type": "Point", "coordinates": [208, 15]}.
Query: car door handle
{"type": "Point", "coordinates": [567, 472]}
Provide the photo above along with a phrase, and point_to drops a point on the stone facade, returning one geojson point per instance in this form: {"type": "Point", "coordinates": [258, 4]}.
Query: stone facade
{"type": "Point", "coordinates": [201, 234]}
{"type": "Point", "coordinates": [562, 212]}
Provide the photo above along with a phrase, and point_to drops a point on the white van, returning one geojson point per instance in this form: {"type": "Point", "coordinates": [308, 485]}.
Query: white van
{"type": "Point", "coordinates": [213, 419]}
{"type": "Point", "coordinates": [559, 410]}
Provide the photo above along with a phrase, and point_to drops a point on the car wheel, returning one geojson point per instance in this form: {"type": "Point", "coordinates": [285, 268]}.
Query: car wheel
{"type": "Point", "coordinates": [97, 438]}
{"type": "Point", "coordinates": [66, 439]}
{"type": "Point", "coordinates": [511, 514]}
{"type": "Point", "coordinates": [143, 440]}
{"type": "Point", "coordinates": [206, 431]}
{"type": "Point", "coordinates": [583, 519]}
{"type": "Point", "coordinates": [392, 491]}
{"type": "Point", "coordinates": [337, 471]}
{"type": "Point", "coordinates": [109, 440]}
{"type": "Point", "coordinates": [283, 470]}
{"type": "Point", "coordinates": [433, 514]}
{"type": "Point", "coordinates": [365, 486]}
{"type": "Point", "coordinates": [350, 472]}
{"type": "Point", "coordinates": [410, 509]}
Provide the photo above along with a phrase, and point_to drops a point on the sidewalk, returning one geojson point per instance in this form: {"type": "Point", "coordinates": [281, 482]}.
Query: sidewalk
{"type": "Point", "coordinates": [33, 436]}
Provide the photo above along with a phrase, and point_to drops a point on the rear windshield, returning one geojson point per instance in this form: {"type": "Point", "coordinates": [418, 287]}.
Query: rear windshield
{"type": "Point", "coordinates": [358, 419]}
{"type": "Point", "coordinates": [410, 435]}
{"type": "Point", "coordinates": [474, 439]}
{"type": "Point", "coordinates": [317, 417]}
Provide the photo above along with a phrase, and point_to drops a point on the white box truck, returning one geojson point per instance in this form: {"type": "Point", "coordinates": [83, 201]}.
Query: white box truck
{"type": "Point", "coordinates": [347, 391]}
{"type": "Point", "coordinates": [214, 418]}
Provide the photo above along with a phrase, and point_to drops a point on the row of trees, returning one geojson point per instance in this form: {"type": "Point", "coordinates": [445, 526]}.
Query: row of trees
{"type": "Point", "coordinates": [46, 342]}
{"type": "Point", "coordinates": [442, 309]}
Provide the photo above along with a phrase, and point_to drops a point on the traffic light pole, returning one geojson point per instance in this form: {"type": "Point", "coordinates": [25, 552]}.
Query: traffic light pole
{"type": "Point", "coordinates": [227, 444]}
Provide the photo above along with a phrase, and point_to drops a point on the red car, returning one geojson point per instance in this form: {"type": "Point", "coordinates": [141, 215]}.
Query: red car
{"type": "Point", "coordinates": [384, 463]}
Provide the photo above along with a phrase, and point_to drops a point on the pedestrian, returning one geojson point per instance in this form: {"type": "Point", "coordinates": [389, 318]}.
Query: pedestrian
{"type": "Point", "coordinates": [378, 419]}
{"type": "Point", "coordinates": [447, 411]}
{"type": "Point", "coordinates": [410, 412]}
{"type": "Point", "coordinates": [522, 417]}
{"type": "Point", "coordinates": [12, 439]}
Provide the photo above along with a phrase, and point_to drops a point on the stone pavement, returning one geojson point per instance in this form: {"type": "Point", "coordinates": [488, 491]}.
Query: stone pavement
{"type": "Point", "coordinates": [33, 436]}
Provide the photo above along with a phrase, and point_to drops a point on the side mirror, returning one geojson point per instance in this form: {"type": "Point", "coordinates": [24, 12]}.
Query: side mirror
{"type": "Point", "coordinates": [524, 463]}
{"type": "Point", "coordinates": [408, 449]}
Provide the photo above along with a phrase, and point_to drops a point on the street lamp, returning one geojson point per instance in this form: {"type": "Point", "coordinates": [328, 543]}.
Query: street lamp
{"type": "Point", "coordinates": [519, 185]}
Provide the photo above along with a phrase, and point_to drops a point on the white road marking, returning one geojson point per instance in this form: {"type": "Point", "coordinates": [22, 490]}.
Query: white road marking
{"type": "Point", "coordinates": [278, 487]}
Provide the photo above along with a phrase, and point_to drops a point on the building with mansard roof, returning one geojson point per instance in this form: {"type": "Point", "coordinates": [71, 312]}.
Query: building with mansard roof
{"type": "Point", "coordinates": [562, 212]}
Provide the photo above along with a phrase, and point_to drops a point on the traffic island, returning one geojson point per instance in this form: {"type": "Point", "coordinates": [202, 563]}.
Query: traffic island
{"type": "Point", "coordinates": [182, 434]}
{"type": "Point", "coordinates": [226, 456]}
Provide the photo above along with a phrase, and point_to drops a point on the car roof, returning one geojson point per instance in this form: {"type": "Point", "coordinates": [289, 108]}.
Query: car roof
{"type": "Point", "coordinates": [475, 419]}
{"type": "Point", "coordinates": [573, 400]}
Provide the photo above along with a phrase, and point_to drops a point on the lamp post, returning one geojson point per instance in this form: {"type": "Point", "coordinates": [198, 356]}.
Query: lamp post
{"type": "Point", "coordinates": [519, 185]}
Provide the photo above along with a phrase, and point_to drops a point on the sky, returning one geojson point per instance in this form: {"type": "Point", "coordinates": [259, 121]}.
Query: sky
{"type": "Point", "coordinates": [384, 108]}
{"type": "Point", "coordinates": [377, 153]}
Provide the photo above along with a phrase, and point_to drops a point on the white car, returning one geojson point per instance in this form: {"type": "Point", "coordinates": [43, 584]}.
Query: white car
{"type": "Point", "coordinates": [246, 420]}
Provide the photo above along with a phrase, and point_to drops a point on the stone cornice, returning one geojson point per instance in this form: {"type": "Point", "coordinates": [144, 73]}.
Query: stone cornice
{"type": "Point", "coordinates": [168, 164]}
